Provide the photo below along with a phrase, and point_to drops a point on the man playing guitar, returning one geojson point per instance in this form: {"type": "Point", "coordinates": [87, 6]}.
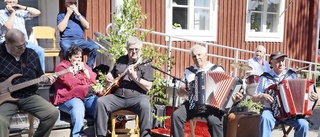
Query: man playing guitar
{"type": "Point", "coordinates": [131, 93]}
{"type": "Point", "coordinates": [17, 59]}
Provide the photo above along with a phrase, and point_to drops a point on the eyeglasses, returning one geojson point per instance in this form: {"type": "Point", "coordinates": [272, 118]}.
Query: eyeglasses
{"type": "Point", "coordinates": [18, 47]}
{"type": "Point", "coordinates": [133, 49]}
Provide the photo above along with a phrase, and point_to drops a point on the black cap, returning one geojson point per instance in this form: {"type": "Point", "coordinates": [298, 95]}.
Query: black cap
{"type": "Point", "coordinates": [277, 54]}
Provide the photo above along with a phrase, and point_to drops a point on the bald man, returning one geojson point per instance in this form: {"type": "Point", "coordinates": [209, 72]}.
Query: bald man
{"type": "Point", "coordinates": [258, 63]}
{"type": "Point", "coordinates": [15, 58]}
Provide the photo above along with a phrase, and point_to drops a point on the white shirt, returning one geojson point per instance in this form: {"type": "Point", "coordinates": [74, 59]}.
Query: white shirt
{"type": "Point", "coordinates": [257, 68]}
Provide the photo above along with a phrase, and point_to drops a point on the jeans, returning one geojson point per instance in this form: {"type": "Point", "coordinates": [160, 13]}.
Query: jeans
{"type": "Point", "coordinates": [267, 123]}
{"type": "Point", "coordinates": [40, 51]}
{"type": "Point", "coordinates": [36, 106]}
{"type": "Point", "coordinates": [85, 46]}
{"type": "Point", "coordinates": [77, 108]}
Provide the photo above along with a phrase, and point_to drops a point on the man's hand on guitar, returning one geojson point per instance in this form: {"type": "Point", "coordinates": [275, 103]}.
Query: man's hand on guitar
{"type": "Point", "coordinates": [132, 73]}
{"type": "Point", "coordinates": [109, 78]}
{"type": "Point", "coordinates": [49, 79]}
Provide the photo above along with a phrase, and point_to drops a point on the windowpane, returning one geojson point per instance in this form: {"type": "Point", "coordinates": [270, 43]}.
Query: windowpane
{"type": "Point", "coordinates": [272, 22]}
{"type": "Point", "coordinates": [256, 5]}
{"type": "Point", "coordinates": [272, 7]}
{"type": "Point", "coordinates": [180, 2]}
{"type": "Point", "coordinates": [256, 22]}
{"type": "Point", "coordinates": [202, 3]}
{"type": "Point", "coordinates": [201, 19]}
{"type": "Point", "coordinates": [180, 16]}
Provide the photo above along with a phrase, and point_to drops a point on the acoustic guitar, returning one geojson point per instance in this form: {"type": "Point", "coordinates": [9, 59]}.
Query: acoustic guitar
{"type": "Point", "coordinates": [6, 87]}
{"type": "Point", "coordinates": [115, 84]}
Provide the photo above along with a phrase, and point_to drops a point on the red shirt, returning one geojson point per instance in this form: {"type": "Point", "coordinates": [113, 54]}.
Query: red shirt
{"type": "Point", "coordinates": [68, 86]}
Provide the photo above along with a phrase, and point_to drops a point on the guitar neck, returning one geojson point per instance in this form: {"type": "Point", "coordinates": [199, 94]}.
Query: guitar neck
{"type": "Point", "coordinates": [34, 81]}
{"type": "Point", "coordinates": [26, 84]}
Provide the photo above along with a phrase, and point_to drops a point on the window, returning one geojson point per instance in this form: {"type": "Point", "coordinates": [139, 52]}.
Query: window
{"type": "Point", "coordinates": [192, 19]}
{"type": "Point", "coordinates": [265, 20]}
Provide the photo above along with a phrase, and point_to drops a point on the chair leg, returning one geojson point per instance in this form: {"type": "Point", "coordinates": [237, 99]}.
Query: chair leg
{"type": "Point", "coordinates": [31, 127]}
{"type": "Point", "coordinates": [286, 131]}
{"type": "Point", "coordinates": [137, 129]}
{"type": "Point", "coordinates": [193, 124]}
{"type": "Point", "coordinates": [113, 125]}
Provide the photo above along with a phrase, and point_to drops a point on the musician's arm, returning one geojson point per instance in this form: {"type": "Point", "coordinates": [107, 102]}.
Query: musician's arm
{"type": "Point", "coordinates": [145, 81]}
{"type": "Point", "coordinates": [238, 96]}
{"type": "Point", "coordinates": [68, 79]}
{"type": "Point", "coordinates": [260, 95]}
{"type": "Point", "coordinates": [144, 84]}
{"type": "Point", "coordinates": [182, 90]}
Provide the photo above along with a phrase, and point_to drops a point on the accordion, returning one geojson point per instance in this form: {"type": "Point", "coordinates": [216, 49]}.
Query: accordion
{"type": "Point", "coordinates": [291, 98]}
{"type": "Point", "coordinates": [216, 89]}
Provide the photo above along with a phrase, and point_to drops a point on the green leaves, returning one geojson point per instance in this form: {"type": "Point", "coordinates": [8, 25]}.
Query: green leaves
{"type": "Point", "coordinates": [250, 104]}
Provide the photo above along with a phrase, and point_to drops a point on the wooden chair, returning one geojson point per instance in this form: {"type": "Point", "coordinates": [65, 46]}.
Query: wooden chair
{"type": "Point", "coordinates": [135, 132]}
{"type": "Point", "coordinates": [193, 123]}
{"type": "Point", "coordinates": [47, 32]}
{"type": "Point", "coordinates": [285, 130]}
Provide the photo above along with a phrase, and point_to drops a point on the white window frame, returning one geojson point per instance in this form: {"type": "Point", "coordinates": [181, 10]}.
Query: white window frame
{"type": "Point", "coordinates": [198, 35]}
{"type": "Point", "coordinates": [264, 35]}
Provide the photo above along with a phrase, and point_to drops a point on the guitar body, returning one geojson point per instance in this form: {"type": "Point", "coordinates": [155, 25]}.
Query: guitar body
{"type": "Point", "coordinates": [5, 94]}
{"type": "Point", "coordinates": [114, 85]}
{"type": "Point", "coordinates": [117, 81]}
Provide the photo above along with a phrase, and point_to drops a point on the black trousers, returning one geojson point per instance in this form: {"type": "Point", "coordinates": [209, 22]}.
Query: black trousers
{"type": "Point", "coordinates": [183, 114]}
{"type": "Point", "coordinates": [138, 104]}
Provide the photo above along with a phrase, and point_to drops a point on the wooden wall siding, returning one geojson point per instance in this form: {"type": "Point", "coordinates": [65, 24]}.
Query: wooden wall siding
{"type": "Point", "coordinates": [299, 32]}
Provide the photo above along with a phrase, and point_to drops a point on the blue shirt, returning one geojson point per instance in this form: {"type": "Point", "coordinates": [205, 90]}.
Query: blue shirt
{"type": "Point", "coordinates": [264, 82]}
{"type": "Point", "coordinates": [258, 68]}
{"type": "Point", "coordinates": [74, 29]}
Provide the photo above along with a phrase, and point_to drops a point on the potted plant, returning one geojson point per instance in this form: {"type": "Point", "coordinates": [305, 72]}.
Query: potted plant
{"type": "Point", "coordinates": [249, 106]}
{"type": "Point", "coordinates": [176, 26]}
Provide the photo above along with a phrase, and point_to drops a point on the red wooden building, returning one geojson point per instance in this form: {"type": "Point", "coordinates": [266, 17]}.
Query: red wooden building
{"type": "Point", "coordinates": [290, 26]}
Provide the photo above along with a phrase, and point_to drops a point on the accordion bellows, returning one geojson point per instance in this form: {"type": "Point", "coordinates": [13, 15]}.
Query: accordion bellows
{"type": "Point", "coordinates": [216, 89]}
{"type": "Point", "coordinates": [292, 97]}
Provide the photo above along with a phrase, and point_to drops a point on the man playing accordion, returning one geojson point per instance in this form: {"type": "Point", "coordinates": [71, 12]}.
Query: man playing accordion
{"type": "Point", "coordinates": [278, 73]}
{"type": "Point", "coordinates": [184, 112]}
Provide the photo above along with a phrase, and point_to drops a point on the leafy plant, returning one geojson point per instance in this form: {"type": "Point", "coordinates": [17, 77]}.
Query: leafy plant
{"type": "Point", "coordinates": [100, 85]}
{"type": "Point", "coordinates": [131, 17]}
{"type": "Point", "coordinates": [254, 106]}
{"type": "Point", "coordinates": [176, 25]}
